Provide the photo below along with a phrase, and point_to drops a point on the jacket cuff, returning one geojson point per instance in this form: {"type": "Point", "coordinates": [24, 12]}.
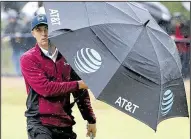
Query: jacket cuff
{"type": "Point", "coordinates": [91, 121]}
{"type": "Point", "coordinates": [77, 86]}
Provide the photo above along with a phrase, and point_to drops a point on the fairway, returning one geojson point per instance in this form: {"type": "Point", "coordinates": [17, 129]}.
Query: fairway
{"type": "Point", "coordinates": [111, 123]}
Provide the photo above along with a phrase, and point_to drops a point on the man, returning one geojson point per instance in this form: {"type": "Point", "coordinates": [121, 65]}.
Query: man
{"type": "Point", "coordinates": [50, 81]}
{"type": "Point", "coordinates": [13, 34]}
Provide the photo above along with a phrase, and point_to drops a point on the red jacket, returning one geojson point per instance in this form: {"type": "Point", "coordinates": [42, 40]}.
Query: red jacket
{"type": "Point", "coordinates": [49, 86]}
{"type": "Point", "coordinates": [181, 46]}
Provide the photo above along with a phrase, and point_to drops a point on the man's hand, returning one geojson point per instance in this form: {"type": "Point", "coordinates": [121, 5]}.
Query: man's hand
{"type": "Point", "coordinates": [82, 85]}
{"type": "Point", "coordinates": [91, 129]}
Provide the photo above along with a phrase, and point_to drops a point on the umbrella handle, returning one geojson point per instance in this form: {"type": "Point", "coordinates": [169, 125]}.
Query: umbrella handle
{"type": "Point", "coordinates": [91, 136]}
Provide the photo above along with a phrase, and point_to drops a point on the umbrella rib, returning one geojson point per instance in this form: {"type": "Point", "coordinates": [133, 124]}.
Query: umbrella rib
{"type": "Point", "coordinates": [124, 12]}
{"type": "Point", "coordinates": [69, 30]}
{"type": "Point", "coordinates": [166, 49]}
{"type": "Point", "coordinates": [133, 47]}
{"type": "Point", "coordinates": [133, 10]}
{"type": "Point", "coordinates": [158, 115]}
{"type": "Point", "coordinates": [98, 37]}
{"type": "Point", "coordinates": [157, 58]}
{"type": "Point", "coordinates": [87, 13]}
{"type": "Point", "coordinates": [158, 30]}
{"type": "Point", "coordinates": [106, 33]}
{"type": "Point", "coordinates": [138, 75]}
{"type": "Point", "coordinates": [107, 49]}
{"type": "Point", "coordinates": [105, 45]}
{"type": "Point", "coordinates": [135, 42]}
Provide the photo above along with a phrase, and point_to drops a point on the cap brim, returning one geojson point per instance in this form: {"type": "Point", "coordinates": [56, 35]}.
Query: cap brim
{"type": "Point", "coordinates": [41, 23]}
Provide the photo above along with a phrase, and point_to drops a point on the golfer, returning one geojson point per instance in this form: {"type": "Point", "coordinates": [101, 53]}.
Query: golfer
{"type": "Point", "coordinates": [49, 82]}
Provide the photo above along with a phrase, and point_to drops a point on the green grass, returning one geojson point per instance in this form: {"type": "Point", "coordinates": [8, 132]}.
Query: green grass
{"type": "Point", "coordinates": [6, 59]}
{"type": "Point", "coordinates": [111, 123]}
{"type": "Point", "coordinates": [176, 7]}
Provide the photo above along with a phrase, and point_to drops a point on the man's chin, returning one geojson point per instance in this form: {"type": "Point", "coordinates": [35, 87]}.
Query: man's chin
{"type": "Point", "coordinates": [44, 43]}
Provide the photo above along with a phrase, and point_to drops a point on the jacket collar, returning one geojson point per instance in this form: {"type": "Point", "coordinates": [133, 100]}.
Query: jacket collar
{"type": "Point", "coordinates": [40, 53]}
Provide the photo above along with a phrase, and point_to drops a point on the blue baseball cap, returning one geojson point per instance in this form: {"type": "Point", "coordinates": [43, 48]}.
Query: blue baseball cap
{"type": "Point", "coordinates": [39, 19]}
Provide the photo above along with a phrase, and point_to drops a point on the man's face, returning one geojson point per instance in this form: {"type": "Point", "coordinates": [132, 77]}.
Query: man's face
{"type": "Point", "coordinates": [41, 34]}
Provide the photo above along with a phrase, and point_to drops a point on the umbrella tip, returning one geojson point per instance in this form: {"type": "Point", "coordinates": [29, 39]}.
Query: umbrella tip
{"type": "Point", "coordinates": [146, 22]}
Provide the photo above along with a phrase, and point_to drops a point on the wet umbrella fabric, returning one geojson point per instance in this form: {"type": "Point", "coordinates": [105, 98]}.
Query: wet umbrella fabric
{"type": "Point", "coordinates": [123, 56]}
{"type": "Point", "coordinates": [157, 10]}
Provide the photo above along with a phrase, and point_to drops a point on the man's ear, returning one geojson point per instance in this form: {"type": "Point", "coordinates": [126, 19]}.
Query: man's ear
{"type": "Point", "coordinates": [32, 32]}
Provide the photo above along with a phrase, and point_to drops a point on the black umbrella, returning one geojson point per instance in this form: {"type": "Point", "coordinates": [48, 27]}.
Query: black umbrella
{"type": "Point", "coordinates": [157, 10]}
{"type": "Point", "coordinates": [123, 56]}
{"type": "Point", "coordinates": [160, 13]}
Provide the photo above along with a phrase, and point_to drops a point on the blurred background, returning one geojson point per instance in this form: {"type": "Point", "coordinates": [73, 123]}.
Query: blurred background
{"type": "Point", "coordinates": [173, 17]}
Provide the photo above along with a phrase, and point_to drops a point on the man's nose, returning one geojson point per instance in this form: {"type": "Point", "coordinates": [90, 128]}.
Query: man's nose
{"type": "Point", "coordinates": [44, 33]}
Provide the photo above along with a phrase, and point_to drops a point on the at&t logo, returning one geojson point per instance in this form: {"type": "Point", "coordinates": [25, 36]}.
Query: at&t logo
{"type": "Point", "coordinates": [167, 102]}
{"type": "Point", "coordinates": [87, 60]}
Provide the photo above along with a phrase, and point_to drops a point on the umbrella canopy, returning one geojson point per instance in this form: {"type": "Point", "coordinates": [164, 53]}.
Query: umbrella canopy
{"type": "Point", "coordinates": [123, 56]}
{"type": "Point", "coordinates": [157, 10]}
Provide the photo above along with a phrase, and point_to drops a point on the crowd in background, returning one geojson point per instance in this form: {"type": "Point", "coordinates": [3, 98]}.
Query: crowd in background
{"type": "Point", "coordinates": [16, 17]}
{"type": "Point", "coordinates": [18, 30]}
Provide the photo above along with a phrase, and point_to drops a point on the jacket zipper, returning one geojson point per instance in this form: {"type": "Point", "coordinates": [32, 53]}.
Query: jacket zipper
{"type": "Point", "coordinates": [54, 64]}
{"type": "Point", "coordinates": [55, 67]}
